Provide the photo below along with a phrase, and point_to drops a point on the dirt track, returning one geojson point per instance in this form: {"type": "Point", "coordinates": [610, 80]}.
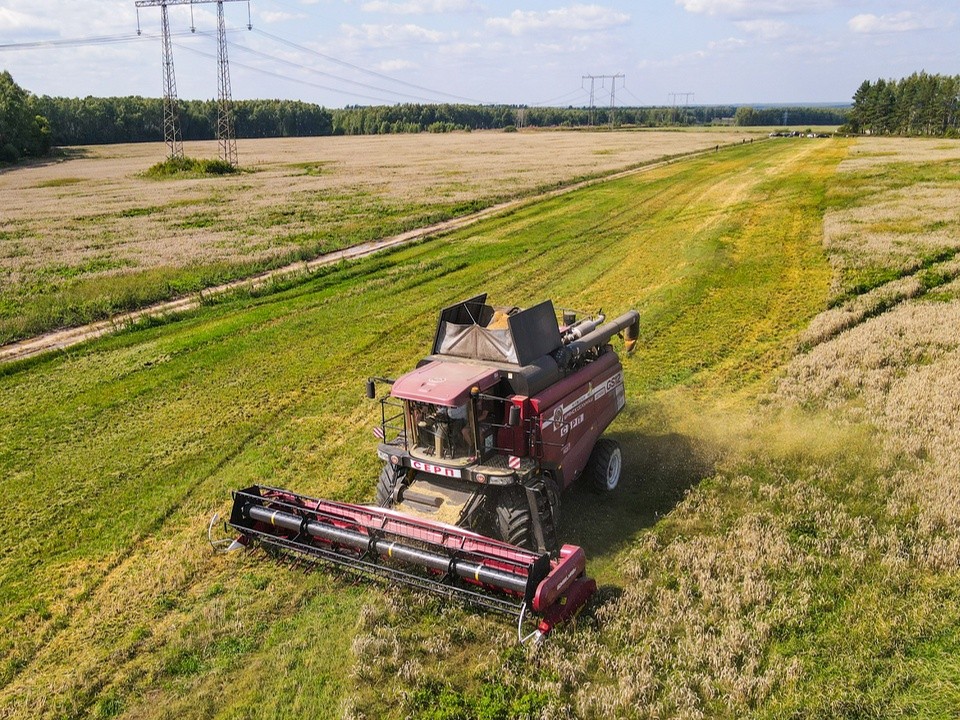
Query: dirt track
{"type": "Point", "coordinates": [62, 339]}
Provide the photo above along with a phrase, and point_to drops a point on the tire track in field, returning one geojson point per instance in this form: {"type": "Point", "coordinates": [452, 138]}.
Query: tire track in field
{"type": "Point", "coordinates": [62, 339]}
{"type": "Point", "coordinates": [77, 607]}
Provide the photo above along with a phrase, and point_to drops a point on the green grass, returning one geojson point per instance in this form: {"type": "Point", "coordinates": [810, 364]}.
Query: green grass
{"type": "Point", "coordinates": [114, 455]}
{"type": "Point", "coordinates": [187, 167]}
{"type": "Point", "coordinates": [59, 182]}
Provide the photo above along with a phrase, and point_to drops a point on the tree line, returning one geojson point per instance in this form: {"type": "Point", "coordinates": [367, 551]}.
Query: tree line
{"type": "Point", "coordinates": [746, 116]}
{"type": "Point", "coordinates": [96, 120]}
{"type": "Point", "coordinates": [920, 104]}
{"type": "Point", "coordinates": [383, 119]}
{"type": "Point", "coordinates": [24, 131]}
{"type": "Point", "coordinates": [30, 124]}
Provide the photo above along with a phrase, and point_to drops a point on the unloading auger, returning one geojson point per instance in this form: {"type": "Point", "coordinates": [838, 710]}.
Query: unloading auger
{"type": "Point", "coordinates": [477, 443]}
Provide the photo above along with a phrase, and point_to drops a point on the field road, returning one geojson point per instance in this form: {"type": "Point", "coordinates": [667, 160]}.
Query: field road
{"type": "Point", "coordinates": [68, 337]}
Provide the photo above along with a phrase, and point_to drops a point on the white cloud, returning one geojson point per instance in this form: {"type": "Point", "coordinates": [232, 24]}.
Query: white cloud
{"type": "Point", "coordinates": [574, 17]}
{"type": "Point", "coordinates": [674, 62]}
{"type": "Point", "coordinates": [394, 65]}
{"type": "Point", "coordinates": [269, 16]}
{"type": "Point", "coordinates": [906, 21]}
{"type": "Point", "coordinates": [12, 20]}
{"type": "Point", "coordinates": [417, 7]}
{"type": "Point", "coordinates": [464, 48]}
{"type": "Point", "coordinates": [765, 29]}
{"type": "Point", "coordinates": [390, 35]}
{"type": "Point", "coordinates": [752, 7]}
{"type": "Point", "coordinates": [730, 43]}
{"type": "Point", "coordinates": [550, 48]}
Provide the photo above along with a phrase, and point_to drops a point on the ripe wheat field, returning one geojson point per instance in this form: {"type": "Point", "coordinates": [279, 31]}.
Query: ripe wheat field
{"type": "Point", "coordinates": [786, 536]}
{"type": "Point", "coordinates": [90, 236]}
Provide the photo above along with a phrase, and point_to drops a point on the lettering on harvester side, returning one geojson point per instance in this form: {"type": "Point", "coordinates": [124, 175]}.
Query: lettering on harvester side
{"type": "Point", "coordinates": [434, 469]}
{"type": "Point", "coordinates": [558, 418]}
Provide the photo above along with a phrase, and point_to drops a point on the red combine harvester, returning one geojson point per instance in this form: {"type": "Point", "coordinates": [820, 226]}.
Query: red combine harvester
{"type": "Point", "coordinates": [477, 444]}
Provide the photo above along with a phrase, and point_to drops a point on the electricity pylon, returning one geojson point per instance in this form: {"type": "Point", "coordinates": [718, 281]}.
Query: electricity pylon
{"type": "Point", "coordinates": [171, 114]}
{"type": "Point", "coordinates": [613, 92]}
{"type": "Point", "coordinates": [225, 135]}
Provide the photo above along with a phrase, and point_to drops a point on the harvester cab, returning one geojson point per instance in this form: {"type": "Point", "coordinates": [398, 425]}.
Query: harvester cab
{"type": "Point", "coordinates": [477, 444]}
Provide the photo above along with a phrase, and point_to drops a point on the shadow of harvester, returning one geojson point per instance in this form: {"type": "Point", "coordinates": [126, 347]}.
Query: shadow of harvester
{"type": "Point", "coordinates": [658, 472]}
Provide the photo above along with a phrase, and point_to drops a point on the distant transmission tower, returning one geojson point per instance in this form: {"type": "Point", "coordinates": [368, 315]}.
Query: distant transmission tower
{"type": "Point", "coordinates": [686, 101]}
{"type": "Point", "coordinates": [591, 78]}
{"type": "Point", "coordinates": [613, 93]}
{"type": "Point", "coordinates": [171, 114]}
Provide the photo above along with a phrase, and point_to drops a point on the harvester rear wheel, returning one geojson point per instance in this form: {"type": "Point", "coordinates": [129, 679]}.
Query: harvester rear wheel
{"type": "Point", "coordinates": [387, 484]}
{"type": "Point", "coordinates": [604, 466]}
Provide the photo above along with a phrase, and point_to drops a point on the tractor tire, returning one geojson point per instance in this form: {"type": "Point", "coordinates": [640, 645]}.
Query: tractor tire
{"type": "Point", "coordinates": [604, 466]}
{"type": "Point", "coordinates": [387, 484]}
{"type": "Point", "coordinates": [549, 506]}
{"type": "Point", "coordinates": [512, 521]}
{"type": "Point", "coordinates": [553, 496]}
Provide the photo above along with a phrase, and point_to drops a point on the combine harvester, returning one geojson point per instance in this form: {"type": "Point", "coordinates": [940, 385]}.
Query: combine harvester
{"type": "Point", "coordinates": [477, 443]}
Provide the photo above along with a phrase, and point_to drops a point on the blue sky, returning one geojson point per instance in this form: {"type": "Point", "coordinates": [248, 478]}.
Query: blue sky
{"type": "Point", "coordinates": [341, 52]}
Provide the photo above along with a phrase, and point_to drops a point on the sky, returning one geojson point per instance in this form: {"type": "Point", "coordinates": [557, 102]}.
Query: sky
{"type": "Point", "coordinates": [365, 52]}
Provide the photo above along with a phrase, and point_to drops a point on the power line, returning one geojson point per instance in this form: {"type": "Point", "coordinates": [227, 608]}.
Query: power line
{"type": "Point", "coordinates": [358, 68]}
{"type": "Point", "coordinates": [269, 73]}
{"type": "Point", "coordinates": [627, 90]}
{"type": "Point", "coordinates": [226, 137]}
{"type": "Point", "coordinates": [172, 135]}
{"type": "Point", "coordinates": [307, 68]}
{"type": "Point", "coordinates": [548, 103]}
{"type": "Point", "coordinates": [613, 96]}
{"type": "Point", "coordinates": [171, 114]}
{"type": "Point", "coordinates": [113, 39]}
{"type": "Point", "coordinates": [82, 41]}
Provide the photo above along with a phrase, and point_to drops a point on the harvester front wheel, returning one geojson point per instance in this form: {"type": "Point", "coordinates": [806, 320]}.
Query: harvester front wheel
{"type": "Point", "coordinates": [387, 484]}
{"type": "Point", "coordinates": [604, 466]}
{"type": "Point", "coordinates": [515, 521]}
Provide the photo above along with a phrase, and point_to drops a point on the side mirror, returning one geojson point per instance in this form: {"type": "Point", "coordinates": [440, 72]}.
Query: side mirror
{"type": "Point", "coordinates": [371, 389]}
{"type": "Point", "coordinates": [513, 418]}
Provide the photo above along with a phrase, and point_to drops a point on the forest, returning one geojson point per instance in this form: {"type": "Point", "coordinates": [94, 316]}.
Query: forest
{"type": "Point", "coordinates": [383, 119]}
{"type": "Point", "coordinates": [94, 120]}
{"type": "Point", "coordinates": [23, 131]}
{"type": "Point", "coordinates": [30, 125]}
{"type": "Point", "coordinates": [921, 104]}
